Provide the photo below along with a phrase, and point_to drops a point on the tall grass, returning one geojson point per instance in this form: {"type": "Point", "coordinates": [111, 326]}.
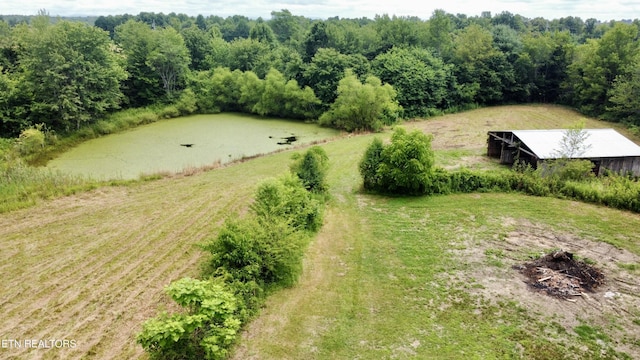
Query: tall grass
{"type": "Point", "coordinates": [22, 185]}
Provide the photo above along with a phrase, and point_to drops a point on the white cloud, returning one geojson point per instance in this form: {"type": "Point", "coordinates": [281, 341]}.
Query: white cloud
{"type": "Point", "coordinates": [549, 9]}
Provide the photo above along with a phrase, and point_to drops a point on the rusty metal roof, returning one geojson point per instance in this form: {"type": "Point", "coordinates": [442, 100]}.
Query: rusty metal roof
{"type": "Point", "coordinates": [600, 143]}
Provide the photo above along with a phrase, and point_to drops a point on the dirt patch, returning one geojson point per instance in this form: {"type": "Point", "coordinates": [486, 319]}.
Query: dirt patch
{"type": "Point", "coordinates": [559, 274]}
{"type": "Point", "coordinates": [613, 304]}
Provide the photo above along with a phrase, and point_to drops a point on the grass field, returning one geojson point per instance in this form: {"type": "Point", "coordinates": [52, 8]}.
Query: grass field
{"type": "Point", "coordinates": [385, 277]}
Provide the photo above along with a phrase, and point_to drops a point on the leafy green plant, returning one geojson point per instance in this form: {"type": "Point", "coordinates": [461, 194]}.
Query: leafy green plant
{"type": "Point", "coordinates": [169, 112]}
{"type": "Point", "coordinates": [186, 103]}
{"type": "Point", "coordinates": [401, 167]}
{"type": "Point", "coordinates": [206, 330]}
{"type": "Point", "coordinates": [267, 253]}
{"type": "Point", "coordinates": [567, 169]}
{"type": "Point", "coordinates": [362, 106]}
{"type": "Point", "coordinates": [311, 168]}
{"type": "Point", "coordinates": [369, 165]}
{"type": "Point", "coordinates": [407, 162]}
{"type": "Point", "coordinates": [285, 199]}
{"type": "Point", "coordinates": [31, 140]}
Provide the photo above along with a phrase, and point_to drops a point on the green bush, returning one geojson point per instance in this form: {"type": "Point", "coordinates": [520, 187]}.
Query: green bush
{"type": "Point", "coordinates": [369, 165]}
{"type": "Point", "coordinates": [105, 127]}
{"type": "Point", "coordinates": [361, 106]}
{"type": "Point", "coordinates": [146, 117]}
{"type": "Point", "coordinates": [267, 253]}
{"type": "Point", "coordinates": [31, 140]}
{"type": "Point", "coordinates": [250, 258]}
{"type": "Point", "coordinates": [567, 169]}
{"type": "Point", "coordinates": [168, 112]}
{"type": "Point", "coordinates": [312, 169]}
{"type": "Point", "coordinates": [439, 182]}
{"type": "Point", "coordinates": [403, 166]}
{"type": "Point", "coordinates": [205, 331]}
{"type": "Point", "coordinates": [285, 199]}
{"type": "Point", "coordinates": [186, 104]}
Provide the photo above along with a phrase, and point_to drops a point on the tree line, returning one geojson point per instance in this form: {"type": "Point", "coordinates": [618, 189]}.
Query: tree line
{"type": "Point", "coordinates": [354, 74]}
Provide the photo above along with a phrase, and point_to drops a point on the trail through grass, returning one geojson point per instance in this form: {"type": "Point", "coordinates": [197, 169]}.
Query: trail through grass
{"type": "Point", "coordinates": [399, 278]}
{"type": "Point", "coordinates": [385, 277]}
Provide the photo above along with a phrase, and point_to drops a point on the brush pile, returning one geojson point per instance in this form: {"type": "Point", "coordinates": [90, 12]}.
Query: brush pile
{"type": "Point", "coordinates": [559, 274]}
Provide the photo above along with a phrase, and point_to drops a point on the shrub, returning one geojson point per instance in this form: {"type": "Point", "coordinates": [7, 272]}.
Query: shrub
{"type": "Point", "coordinates": [406, 162]}
{"type": "Point", "coordinates": [250, 258]}
{"type": "Point", "coordinates": [567, 169]}
{"type": "Point", "coordinates": [285, 199]}
{"type": "Point", "coordinates": [312, 169]}
{"type": "Point", "coordinates": [268, 253]}
{"type": "Point", "coordinates": [369, 165]}
{"type": "Point", "coordinates": [146, 117]}
{"type": "Point", "coordinates": [361, 106]}
{"type": "Point", "coordinates": [404, 165]}
{"type": "Point", "coordinates": [439, 182]}
{"type": "Point", "coordinates": [205, 331]}
{"type": "Point", "coordinates": [168, 112]}
{"type": "Point", "coordinates": [186, 104]}
{"type": "Point", "coordinates": [31, 140]}
{"type": "Point", "coordinates": [104, 127]}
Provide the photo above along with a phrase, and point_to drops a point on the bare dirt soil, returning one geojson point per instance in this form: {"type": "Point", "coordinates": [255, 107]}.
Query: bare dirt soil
{"type": "Point", "coordinates": [611, 301]}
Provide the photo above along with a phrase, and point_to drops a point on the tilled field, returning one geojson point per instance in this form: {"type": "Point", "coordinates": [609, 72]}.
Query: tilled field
{"type": "Point", "coordinates": [81, 273]}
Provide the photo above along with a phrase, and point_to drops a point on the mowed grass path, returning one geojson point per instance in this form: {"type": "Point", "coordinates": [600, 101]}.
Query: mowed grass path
{"type": "Point", "coordinates": [388, 278]}
{"type": "Point", "coordinates": [379, 279]}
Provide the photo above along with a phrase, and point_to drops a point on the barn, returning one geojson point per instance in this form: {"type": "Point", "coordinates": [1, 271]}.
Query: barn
{"type": "Point", "coordinates": [606, 148]}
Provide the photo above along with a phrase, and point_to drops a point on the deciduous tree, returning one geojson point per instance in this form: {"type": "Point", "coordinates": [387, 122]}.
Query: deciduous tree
{"type": "Point", "coordinates": [72, 72]}
{"type": "Point", "coordinates": [421, 79]}
{"type": "Point", "coordinates": [169, 59]}
{"type": "Point", "coordinates": [362, 107]}
{"type": "Point", "coordinates": [144, 86]}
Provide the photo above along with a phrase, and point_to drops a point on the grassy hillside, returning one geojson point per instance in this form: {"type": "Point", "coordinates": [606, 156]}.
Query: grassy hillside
{"type": "Point", "coordinates": [432, 278]}
{"type": "Point", "coordinates": [385, 278]}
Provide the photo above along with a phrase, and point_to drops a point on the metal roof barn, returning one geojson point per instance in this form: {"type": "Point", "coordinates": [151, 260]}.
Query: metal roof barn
{"type": "Point", "coordinates": [606, 148]}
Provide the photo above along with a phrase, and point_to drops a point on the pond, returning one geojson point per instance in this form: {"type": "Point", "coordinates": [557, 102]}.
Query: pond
{"type": "Point", "coordinates": [176, 144]}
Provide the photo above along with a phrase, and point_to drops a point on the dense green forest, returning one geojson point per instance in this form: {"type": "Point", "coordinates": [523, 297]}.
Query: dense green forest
{"type": "Point", "coordinates": [352, 74]}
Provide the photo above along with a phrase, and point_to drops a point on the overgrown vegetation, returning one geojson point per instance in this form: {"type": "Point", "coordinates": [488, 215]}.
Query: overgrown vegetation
{"type": "Point", "coordinates": [405, 167]}
{"type": "Point", "coordinates": [311, 168]}
{"type": "Point", "coordinates": [22, 185]}
{"type": "Point", "coordinates": [407, 277]}
{"type": "Point", "coordinates": [204, 331]}
{"type": "Point", "coordinates": [362, 107]}
{"type": "Point", "coordinates": [250, 258]}
{"type": "Point", "coordinates": [386, 276]}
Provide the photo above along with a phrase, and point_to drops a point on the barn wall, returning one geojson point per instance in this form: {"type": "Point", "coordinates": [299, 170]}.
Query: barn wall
{"type": "Point", "coordinates": [494, 147]}
{"type": "Point", "coordinates": [623, 165]}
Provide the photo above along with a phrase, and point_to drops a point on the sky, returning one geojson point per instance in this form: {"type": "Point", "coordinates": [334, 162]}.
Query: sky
{"type": "Point", "coordinates": [603, 10]}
